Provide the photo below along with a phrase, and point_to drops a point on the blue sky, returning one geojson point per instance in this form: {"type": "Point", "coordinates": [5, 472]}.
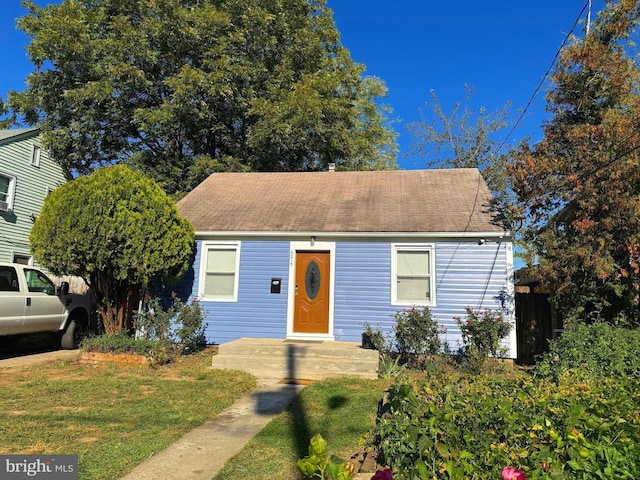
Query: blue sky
{"type": "Point", "coordinates": [502, 48]}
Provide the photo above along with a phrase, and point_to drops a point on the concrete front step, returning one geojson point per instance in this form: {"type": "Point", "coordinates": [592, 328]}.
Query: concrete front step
{"type": "Point", "coordinates": [275, 358]}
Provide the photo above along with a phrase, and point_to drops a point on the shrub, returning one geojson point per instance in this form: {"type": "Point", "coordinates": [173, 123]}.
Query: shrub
{"type": "Point", "coordinates": [156, 322]}
{"type": "Point", "coordinates": [482, 332]}
{"type": "Point", "coordinates": [153, 323]}
{"type": "Point", "coordinates": [190, 326]}
{"type": "Point", "coordinates": [375, 337]}
{"type": "Point", "coordinates": [453, 426]}
{"type": "Point", "coordinates": [417, 332]}
{"type": "Point", "coordinates": [597, 350]}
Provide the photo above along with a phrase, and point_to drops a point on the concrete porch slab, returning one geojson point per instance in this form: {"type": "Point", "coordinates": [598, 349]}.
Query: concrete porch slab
{"type": "Point", "coordinates": [279, 358]}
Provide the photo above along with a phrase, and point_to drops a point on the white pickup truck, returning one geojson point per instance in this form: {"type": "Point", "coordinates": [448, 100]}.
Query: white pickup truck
{"type": "Point", "coordinates": [30, 302]}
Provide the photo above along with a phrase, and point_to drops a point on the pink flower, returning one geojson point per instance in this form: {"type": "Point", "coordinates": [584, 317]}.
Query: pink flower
{"type": "Point", "coordinates": [509, 473]}
{"type": "Point", "coordinates": [385, 474]}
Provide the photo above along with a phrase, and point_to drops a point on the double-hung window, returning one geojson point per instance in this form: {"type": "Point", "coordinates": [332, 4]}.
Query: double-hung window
{"type": "Point", "coordinates": [219, 271]}
{"type": "Point", "coordinates": [412, 274]}
{"type": "Point", "coordinates": [7, 189]}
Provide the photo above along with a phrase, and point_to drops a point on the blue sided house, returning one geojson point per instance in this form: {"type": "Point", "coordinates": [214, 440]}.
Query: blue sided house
{"type": "Point", "coordinates": [311, 256]}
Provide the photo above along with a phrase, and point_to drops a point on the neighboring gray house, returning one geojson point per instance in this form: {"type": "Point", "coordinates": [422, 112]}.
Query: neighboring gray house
{"type": "Point", "coordinates": [311, 256]}
{"type": "Point", "coordinates": [27, 175]}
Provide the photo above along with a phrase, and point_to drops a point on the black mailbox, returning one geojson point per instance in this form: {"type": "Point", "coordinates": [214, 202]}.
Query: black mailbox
{"type": "Point", "coordinates": [276, 283]}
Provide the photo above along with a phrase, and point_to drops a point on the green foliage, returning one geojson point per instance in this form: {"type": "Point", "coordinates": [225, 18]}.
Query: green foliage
{"type": "Point", "coordinates": [190, 326]}
{"type": "Point", "coordinates": [375, 337]}
{"type": "Point", "coordinates": [464, 137]}
{"type": "Point", "coordinates": [482, 331]}
{"type": "Point", "coordinates": [593, 351]}
{"type": "Point", "coordinates": [389, 365]}
{"type": "Point", "coordinates": [184, 89]}
{"type": "Point", "coordinates": [319, 465]}
{"type": "Point", "coordinates": [118, 231]}
{"type": "Point", "coordinates": [417, 332]}
{"type": "Point", "coordinates": [471, 427]}
{"type": "Point", "coordinates": [179, 324]}
{"type": "Point", "coordinates": [577, 188]}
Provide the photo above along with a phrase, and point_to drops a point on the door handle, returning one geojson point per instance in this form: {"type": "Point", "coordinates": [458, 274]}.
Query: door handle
{"type": "Point", "coordinates": [296, 290]}
{"type": "Point", "coordinates": [28, 301]}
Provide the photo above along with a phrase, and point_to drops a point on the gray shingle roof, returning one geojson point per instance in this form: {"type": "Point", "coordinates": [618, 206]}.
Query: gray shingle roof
{"type": "Point", "coordinates": [414, 201]}
{"type": "Point", "coordinates": [14, 132]}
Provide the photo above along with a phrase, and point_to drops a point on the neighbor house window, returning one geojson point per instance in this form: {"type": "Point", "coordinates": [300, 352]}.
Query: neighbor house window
{"type": "Point", "coordinates": [412, 271]}
{"type": "Point", "coordinates": [35, 156]}
{"type": "Point", "coordinates": [7, 189]}
{"type": "Point", "coordinates": [22, 259]}
{"type": "Point", "coordinates": [219, 276]}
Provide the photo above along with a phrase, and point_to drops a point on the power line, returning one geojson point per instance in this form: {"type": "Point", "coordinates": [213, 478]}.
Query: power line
{"type": "Point", "coordinates": [553, 62]}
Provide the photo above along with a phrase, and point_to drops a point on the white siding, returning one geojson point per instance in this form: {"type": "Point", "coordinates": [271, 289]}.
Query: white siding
{"type": "Point", "coordinates": [32, 186]}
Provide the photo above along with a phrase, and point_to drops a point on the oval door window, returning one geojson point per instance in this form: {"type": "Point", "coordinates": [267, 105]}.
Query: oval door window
{"type": "Point", "coordinates": [312, 280]}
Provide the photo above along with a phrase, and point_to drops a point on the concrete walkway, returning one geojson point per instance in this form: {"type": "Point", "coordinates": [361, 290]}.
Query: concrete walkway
{"type": "Point", "coordinates": [201, 453]}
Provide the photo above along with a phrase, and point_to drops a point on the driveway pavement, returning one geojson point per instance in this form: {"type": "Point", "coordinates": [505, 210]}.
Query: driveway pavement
{"type": "Point", "coordinates": [25, 359]}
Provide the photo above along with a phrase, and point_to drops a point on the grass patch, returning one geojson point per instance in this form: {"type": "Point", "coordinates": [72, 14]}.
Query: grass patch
{"type": "Point", "coordinates": [342, 410]}
{"type": "Point", "coordinates": [112, 417]}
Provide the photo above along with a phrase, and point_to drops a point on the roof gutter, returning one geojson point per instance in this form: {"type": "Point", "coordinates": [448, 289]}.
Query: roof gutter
{"type": "Point", "coordinates": [505, 235]}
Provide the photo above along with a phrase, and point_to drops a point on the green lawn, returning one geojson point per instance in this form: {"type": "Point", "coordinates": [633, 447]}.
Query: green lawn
{"type": "Point", "coordinates": [112, 417]}
{"type": "Point", "coordinates": [341, 410]}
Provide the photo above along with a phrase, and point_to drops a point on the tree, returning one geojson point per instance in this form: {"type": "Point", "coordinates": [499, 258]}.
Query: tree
{"type": "Point", "coordinates": [117, 230]}
{"type": "Point", "coordinates": [182, 88]}
{"type": "Point", "coordinates": [8, 119]}
{"type": "Point", "coordinates": [464, 138]}
{"type": "Point", "coordinates": [579, 187]}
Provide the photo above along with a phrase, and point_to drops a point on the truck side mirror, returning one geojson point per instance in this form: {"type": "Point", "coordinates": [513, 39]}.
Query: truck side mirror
{"type": "Point", "coordinates": [63, 289]}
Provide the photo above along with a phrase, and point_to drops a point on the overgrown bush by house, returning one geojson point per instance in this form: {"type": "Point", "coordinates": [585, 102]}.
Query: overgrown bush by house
{"type": "Point", "coordinates": [162, 333]}
{"type": "Point", "coordinates": [482, 333]}
{"type": "Point", "coordinates": [597, 350]}
{"type": "Point", "coordinates": [177, 323]}
{"type": "Point", "coordinates": [417, 334]}
{"type": "Point", "coordinates": [472, 427]}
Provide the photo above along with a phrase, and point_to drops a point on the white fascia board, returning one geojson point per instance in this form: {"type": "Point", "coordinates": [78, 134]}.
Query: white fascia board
{"type": "Point", "coordinates": [505, 235]}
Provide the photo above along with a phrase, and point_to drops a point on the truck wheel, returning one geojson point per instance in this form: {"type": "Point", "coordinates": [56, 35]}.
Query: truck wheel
{"type": "Point", "coordinates": [73, 335]}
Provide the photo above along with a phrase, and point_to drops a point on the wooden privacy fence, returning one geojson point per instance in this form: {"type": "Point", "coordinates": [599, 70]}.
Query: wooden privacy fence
{"type": "Point", "coordinates": [76, 284]}
{"type": "Point", "coordinates": [537, 322]}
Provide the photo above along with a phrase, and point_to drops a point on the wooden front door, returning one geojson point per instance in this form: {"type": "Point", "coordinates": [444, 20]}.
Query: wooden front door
{"type": "Point", "coordinates": [311, 306]}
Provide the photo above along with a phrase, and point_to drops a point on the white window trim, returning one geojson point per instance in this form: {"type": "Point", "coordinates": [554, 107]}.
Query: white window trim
{"type": "Point", "coordinates": [35, 156]}
{"type": "Point", "coordinates": [12, 191]}
{"type": "Point", "coordinates": [419, 247]}
{"type": "Point", "coordinates": [205, 247]}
